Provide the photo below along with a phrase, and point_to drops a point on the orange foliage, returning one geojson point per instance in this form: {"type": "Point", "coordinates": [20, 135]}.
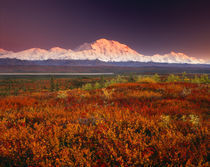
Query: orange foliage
{"type": "Point", "coordinates": [129, 124]}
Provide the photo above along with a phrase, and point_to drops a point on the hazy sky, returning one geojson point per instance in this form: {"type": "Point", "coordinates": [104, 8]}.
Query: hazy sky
{"type": "Point", "coordinates": [148, 26]}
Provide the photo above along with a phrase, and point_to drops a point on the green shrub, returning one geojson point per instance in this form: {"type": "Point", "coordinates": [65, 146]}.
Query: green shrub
{"type": "Point", "coordinates": [76, 83]}
{"type": "Point", "coordinates": [173, 78]}
{"type": "Point", "coordinates": [117, 79]}
{"type": "Point", "coordinates": [156, 77]}
{"type": "Point", "coordinates": [97, 85]}
{"type": "Point", "coordinates": [196, 79]}
{"type": "Point", "coordinates": [16, 92]}
{"type": "Point", "coordinates": [57, 86]}
{"type": "Point", "coordinates": [87, 86]}
{"type": "Point", "coordinates": [102, 81]}
{"type": "Point", "coordinates": [184, 77]}
{"type": "Point", "coordinates": [131, 78]}
{"type": "Point", "coordinates": [120, 79]}
{"type": "Point", "coordinates": [146, 79]}
{"type": "Point", "coordinates": [204, 78]}
{"type": "Point", "coordinates": [52, 84]}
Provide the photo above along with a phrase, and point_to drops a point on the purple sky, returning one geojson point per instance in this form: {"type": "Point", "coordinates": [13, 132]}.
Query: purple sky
{"type": "Point", "coordinates": [148, 26]}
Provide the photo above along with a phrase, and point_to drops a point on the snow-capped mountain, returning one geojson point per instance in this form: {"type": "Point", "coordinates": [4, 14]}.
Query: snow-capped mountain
{"type": "Point", "coordinates": [37, 54]}
{"type": "Point", "coordinates": [103, 50]}
{"type": "Point", "coordinates": [108, 50]}
{"type": "Point", "coordinates": [4, 52]}
{"type": "Point", "coordinates": [176, 58]}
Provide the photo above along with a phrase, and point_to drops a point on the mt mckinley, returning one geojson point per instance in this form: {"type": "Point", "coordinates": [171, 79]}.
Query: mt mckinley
{"type": "Point", "coordinates": [103, 50]}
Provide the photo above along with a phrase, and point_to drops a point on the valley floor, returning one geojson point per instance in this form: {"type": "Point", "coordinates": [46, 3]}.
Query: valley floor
{"type": "Point", "coordinates": [123, 124]}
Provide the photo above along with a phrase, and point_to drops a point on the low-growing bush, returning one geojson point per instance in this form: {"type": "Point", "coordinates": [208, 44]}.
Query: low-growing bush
{"type": "Point", "coordinates": [148, 79]}
{"type": "Point", "coordinates": [173, 78]}
{"type": "Point", "coordinates": [97, 85]}
{"type": "Point", "coordinates": [62, 94]}
{"type": "Point", "coordinates": [117, 79]}
{"type": "Point", "coordinates": [125, 124]}
{"type": "Point", "coordinates": [204, 78]}
{"type": "Point", "coordinates": [156, 77]}
{"type": "Point", "coordinates": [87, 86]}
{"type": "Point", "coordinates": [145, 79]}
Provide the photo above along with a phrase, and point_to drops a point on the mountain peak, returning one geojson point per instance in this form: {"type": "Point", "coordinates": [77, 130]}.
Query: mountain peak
{"type": "Point", "coordinates": [98, 43]}
{"type": "Point", "coordinates": [107, 50]}
{"type": "Point", "coordinates": [4, 52]}
{"type": "Point", "coordinates": [110, 43]}
{"type": "Point", "coordinates": [101, 49]}
{"type": "Point", "coordinates": [102, 40]}
{"type": "Point", "coordinates": [57, 49]}
{"type": "Point", "coordinates": [35, 50]}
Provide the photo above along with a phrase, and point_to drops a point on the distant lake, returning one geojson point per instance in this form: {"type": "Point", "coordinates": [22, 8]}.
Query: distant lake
{"type": "Point", "coordinates": [38, 74]}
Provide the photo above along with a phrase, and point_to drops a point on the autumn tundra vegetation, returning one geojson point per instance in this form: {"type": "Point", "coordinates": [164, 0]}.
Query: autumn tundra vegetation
{"type": "Point", "coordinates": [127, 120]}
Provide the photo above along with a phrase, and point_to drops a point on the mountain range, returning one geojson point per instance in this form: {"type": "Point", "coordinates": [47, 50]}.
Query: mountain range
{"type": "Point", "coordinates": [103, 50]}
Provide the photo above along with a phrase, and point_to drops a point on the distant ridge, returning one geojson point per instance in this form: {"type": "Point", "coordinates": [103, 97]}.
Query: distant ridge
{"type": "Point", "coordinates": [103, 50]}
{"type": "Point", "coordinates": [73, 63]}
